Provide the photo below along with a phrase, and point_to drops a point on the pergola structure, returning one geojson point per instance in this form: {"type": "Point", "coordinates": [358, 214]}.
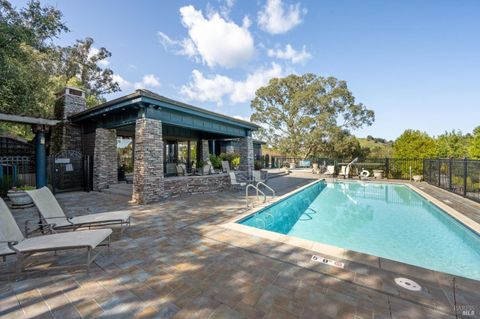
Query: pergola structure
{"type": "Point", "coordinates": [40, 127]}
{"type": "Point", "coordinates": [157, 125]}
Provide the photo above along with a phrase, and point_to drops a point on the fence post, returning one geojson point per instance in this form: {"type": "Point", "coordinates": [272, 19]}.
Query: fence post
{"type": "Point", "coordinates": [430, 171]}
{"type": "Point", "coordinates": [387, 166]}
{"type": "Point", "coordinates": [439, 174]}
{"type": "Point", "coordinates": [465, 168]}
{"type": "Point", "coordinates": [450, 174]}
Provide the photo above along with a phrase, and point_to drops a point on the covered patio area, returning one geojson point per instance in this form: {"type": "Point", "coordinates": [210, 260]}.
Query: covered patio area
{"type": "Point", "coordinates": [164, 134]}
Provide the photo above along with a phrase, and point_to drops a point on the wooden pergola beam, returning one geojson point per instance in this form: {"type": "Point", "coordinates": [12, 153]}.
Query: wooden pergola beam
{"type": "Point", "coordinates": [26, 120]}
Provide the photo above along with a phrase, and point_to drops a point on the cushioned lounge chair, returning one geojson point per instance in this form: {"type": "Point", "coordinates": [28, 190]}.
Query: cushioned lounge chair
{"type": "Point", "coordinates": [53, 214]}
{"type": "Point", "coordinates": [344, 171]}
{"type": "Point", "coordinates": [234, 182]}
{"type": "Point", "coordinates": [330, 170]}
{"type": "Point", "coordinates": [13, 242]}
{"type": "Point", "coordinates": [225, 167]}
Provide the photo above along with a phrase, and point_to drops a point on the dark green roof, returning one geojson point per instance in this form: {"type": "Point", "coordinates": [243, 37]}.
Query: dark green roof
{"type": "Point", "coordinates": [142, 93]}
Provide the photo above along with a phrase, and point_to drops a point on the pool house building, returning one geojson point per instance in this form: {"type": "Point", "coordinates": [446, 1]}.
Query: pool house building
{"type": "Point", "coordinates": [164, 132]}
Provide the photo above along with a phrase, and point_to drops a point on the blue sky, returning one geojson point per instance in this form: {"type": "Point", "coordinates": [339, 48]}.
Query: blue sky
{"type": "Point", "coordinates": [415, 63]}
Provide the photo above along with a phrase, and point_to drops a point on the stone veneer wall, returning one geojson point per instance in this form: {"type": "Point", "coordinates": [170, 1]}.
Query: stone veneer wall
{"type": "Point", "coordinates": [177, 186]}
{"type": "Point", "coordinates": [69, 104]}
{"type": "Point", "coordinates": [246, 155]}
{"type": "Point", "coordinates": [65, 135]}
{"type": "Point", "coordinates": [205, 153]}
{"type": "Point", "coordinates": [148, 179]}
{"type": "Point", "coordinates": [104, 159]}
{"type": "Point", "coordinates": [242, 176]}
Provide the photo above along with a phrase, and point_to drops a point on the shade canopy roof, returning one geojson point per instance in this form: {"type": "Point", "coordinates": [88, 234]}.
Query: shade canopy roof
{"type": "Point", "coordinates": [122, 113]}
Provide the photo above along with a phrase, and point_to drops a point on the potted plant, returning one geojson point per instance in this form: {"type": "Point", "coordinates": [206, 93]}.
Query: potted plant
{"type": "Point", "coordinates": [19, 197]}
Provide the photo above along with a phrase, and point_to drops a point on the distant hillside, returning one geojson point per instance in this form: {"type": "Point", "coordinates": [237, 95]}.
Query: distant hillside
{"type": "Point", "coordinates": [379, 147]}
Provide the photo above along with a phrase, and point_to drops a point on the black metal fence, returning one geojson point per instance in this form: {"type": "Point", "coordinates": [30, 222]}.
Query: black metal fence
{"type": "Point", "coordinates": [460, 176]}
{"type": "Point", "coordinates": [396, 168]}
{"type": "Point", "coordinates": [16, 171]}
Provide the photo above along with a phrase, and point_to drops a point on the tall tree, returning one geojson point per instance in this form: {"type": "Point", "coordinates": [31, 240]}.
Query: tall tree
{"type": "Point", "coordinates": [304, 115]}
{"type": "Point", "coordinates": [81, 65]}
{"type": "Point", "coordinates": [414, 144]}
{"type": "Point", "coordinates": [26, 56]}
{"type": "Point", "coordinates": [474, 144]}
{"type": "Point", "coordinates": [452, 145]}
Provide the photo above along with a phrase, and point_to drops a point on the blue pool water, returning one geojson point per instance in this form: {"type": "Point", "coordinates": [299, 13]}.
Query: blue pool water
{"type": "Point", "coordinates": [385, 220]}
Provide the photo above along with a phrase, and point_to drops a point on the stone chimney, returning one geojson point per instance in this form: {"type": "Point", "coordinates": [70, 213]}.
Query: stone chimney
{"type": "Point", "coordinates": [65, 135]}
{"type": "Point", "coordinates": [69, 101]}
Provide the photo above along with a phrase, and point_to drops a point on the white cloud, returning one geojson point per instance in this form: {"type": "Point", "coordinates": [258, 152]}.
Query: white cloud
{"type": "Point", "coordinates": [243, 118]}
{"type": "Point", "coordinates": [183, 47]}
{"type": "Point", "coordinates": [216, 87]}
{"type": "Point", "coordinates": [277, 18]}
{"type": "Point", "coordinates": [205, 89]}
{"type": "Point", "coordinates": [245, 90]}
{"type": "Point", "coordinates": [148, 81]}
{"type": "Point", "coordinates": [215, 40]}
{"type": "Point", "coordinates": [290, 54]}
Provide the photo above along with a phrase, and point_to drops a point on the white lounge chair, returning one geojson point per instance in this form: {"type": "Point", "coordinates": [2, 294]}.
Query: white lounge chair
{"type": "Point", "coordinates": [225, 167]}
{"type": "Point", "coordinates": [13, 242]}
{"type": "Point", "coordinates": [344, 171]}
{"type": "Point", "coordinates": [330, 170]}
{"type": "Point", "coordinates": [53, 214]}
{"type": "Point", "coordinates": [234, 182]}
{"type": "Point", "coordinates": [257, 176]}
{"type": "Point", "coordinates": [182, 170]}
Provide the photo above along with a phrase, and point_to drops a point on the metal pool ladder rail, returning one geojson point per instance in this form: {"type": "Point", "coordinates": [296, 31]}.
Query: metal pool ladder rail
{"type": "Point", "coordinates": [266, 186]}
{"type": "Point", "coordinates": [258, 191]}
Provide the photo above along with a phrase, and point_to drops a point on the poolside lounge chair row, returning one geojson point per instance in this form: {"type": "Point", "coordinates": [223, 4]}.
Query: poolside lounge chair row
{"type": "Point", "coordinates": [53, 219]}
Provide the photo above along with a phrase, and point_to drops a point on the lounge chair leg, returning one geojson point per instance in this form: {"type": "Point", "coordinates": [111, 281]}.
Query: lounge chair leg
{"type": "Point", "coordinates": [4, 258]}
{"type": "Point", "coordinates": [19, 264]}
{"type": "Point", "coordinates": [89, 252]}
{"type": "Point", "coordinates": [108, 245]}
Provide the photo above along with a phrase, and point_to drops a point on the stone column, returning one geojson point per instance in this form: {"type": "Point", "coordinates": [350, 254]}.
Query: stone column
{"type": "Point", "coordinates": [246, 155]}
{"type": "Point", "coordinates": [65, 135]}
{"type": "Point", "coordinates": [202, 150]}
{"type": "Point", "coordinates": [105, 159]}
{"type": "Point", "coordinates": [148, 164]}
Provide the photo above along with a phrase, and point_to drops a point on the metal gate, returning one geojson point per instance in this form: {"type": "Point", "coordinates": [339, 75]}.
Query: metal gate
{"type": "Point", "coordinates": [70, 171]}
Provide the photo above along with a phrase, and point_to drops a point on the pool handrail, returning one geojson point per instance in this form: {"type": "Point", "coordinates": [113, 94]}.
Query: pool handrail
{"type": "Point", "coordinates": [258, 191]}
{"type": "Point", "coordinates": [266, 186]}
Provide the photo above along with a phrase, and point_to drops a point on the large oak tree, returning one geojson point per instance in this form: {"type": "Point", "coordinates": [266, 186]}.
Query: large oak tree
{"type": "Point", "coordinates": [309, 115]}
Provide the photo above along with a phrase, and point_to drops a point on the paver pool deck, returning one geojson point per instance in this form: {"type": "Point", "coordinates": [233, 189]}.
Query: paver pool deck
{"type": "Point", "coordinates": [177, 260]}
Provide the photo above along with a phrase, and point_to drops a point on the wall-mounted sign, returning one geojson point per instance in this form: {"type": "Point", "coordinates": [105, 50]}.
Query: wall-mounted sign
{"type": "Point", "coordinates": [62, 161]}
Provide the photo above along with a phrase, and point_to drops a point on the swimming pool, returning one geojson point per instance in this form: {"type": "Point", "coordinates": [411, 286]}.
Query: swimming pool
{"type": "Point", "coordinates": [385, 220]}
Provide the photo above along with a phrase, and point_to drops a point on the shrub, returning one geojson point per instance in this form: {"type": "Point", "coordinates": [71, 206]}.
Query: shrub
{"type": "Point", "coordinates": [236, 162]}
{"type": "Point", "coordinates": [232, 158]}
{"type": "Point", "coordinates": [216, 161]}
{"type": "Point", "coordinates": [6, 183]}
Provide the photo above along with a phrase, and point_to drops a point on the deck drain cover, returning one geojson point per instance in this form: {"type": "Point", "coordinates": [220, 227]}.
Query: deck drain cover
{"type": "Point", "coordinates": [408, 284]}
{"type": "Point", "coordinates": [327, 261]}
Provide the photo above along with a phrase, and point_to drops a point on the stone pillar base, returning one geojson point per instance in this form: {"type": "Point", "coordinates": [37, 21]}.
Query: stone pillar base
{"type": "Point", "coordinates": [104, 159]}
{"type": "Point", "coordinates": [246, 155]}
{"type": "Point", "coordinates": [148, 162]}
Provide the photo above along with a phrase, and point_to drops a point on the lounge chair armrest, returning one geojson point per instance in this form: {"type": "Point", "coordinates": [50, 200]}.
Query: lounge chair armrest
{"type": "Point", "coordinates": [49, 227]}
{"type": "Point", "coordinates": [11, 244]}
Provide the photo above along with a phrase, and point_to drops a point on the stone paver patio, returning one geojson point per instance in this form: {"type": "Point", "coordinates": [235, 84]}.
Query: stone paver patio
{"type": "Point", "coordinates": [176, 261]}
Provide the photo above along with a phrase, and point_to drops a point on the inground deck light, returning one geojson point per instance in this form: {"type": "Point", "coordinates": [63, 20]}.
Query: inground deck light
{"type": "Point", "coordinates": [408, 284]}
